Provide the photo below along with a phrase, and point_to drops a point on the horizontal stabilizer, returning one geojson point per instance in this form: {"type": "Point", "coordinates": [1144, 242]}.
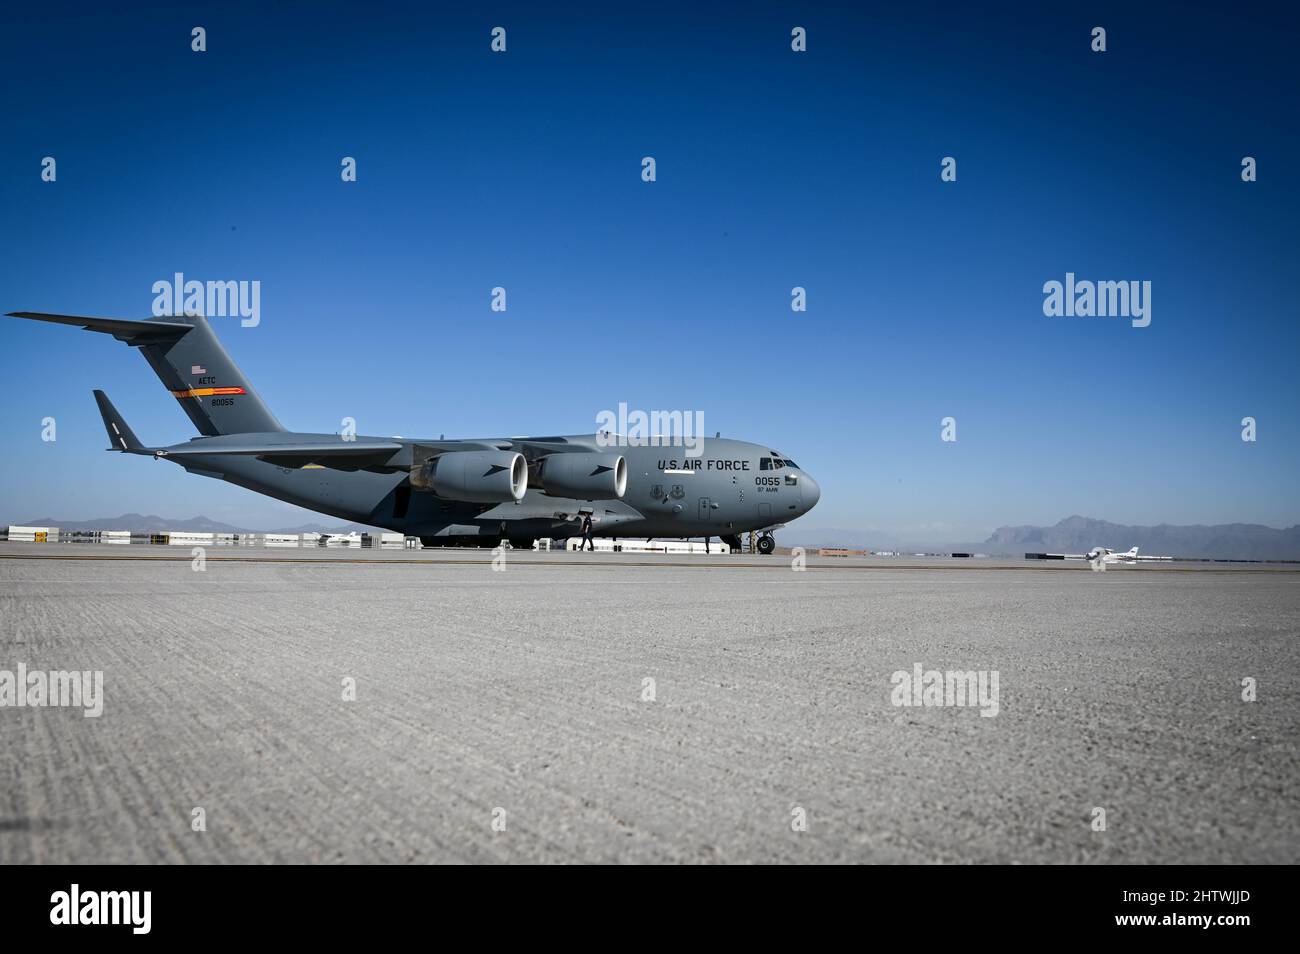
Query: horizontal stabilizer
{"type": "Point", "coordinates": [124, 329]}
{"type": "Point", "coordinates": [120, 436]}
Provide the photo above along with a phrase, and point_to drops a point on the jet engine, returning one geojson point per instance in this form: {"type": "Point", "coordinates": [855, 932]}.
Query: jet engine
{"type": "Point", "coordinates": [584, 476]}
{"type": "Point", "coordinates": [474, 476]}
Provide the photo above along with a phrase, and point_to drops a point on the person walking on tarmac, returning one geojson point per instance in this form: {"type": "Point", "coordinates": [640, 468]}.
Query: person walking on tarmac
{"type": "Point", "coordinates": [586, 534]}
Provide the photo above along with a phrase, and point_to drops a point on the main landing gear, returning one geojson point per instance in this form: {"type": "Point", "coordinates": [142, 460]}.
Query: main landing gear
{"type": "Point", "coordinates": [764, 544]}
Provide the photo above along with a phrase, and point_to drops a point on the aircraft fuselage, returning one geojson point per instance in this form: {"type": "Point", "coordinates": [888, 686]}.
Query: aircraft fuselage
{"type": "Point", "coordinates": [730, 487]}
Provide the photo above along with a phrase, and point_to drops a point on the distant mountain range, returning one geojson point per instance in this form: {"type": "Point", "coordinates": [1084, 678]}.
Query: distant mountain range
{"type": "Point", "coordinates": [1226, 541]}
{"type": "Point", "coordinates": [155, 524]}
{"type": "Point", "coordinates": [1229, 541]}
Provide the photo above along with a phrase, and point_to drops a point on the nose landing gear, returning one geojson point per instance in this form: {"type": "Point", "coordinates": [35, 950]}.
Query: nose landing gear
{"type": "Point", "coordinates": [766, 544]}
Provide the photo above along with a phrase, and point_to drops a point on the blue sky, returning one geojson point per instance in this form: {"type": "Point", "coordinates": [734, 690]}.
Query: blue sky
{"type": "Point", "coordinates": [775, 169]}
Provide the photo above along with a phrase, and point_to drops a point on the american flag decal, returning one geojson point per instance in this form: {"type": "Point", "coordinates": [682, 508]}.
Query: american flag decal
{"type": "Point", "coordinates": [198, 369]}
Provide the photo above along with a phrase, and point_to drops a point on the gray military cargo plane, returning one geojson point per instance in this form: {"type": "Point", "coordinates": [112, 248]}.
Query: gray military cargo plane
{"type": "Point", "coordinates": [457, 492]}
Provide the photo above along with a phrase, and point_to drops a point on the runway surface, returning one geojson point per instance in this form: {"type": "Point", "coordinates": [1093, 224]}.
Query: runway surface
{"type": "Point", "coordinates": [519, 695]}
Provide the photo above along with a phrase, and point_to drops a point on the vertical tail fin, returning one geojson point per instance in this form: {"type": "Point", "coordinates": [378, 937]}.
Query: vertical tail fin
{"type": "Point", "coordinates": [185, 354]}
{"type": "Point", "coordinates": [211, 388]}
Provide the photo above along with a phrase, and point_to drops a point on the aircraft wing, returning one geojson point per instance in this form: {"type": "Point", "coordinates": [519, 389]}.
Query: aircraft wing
{"type": "Point", "coordinates": [336, 455]}
{"type": "Point", "coordinates": [535, 449]}
{"type": "Point", "coordinates": [386, 456]}
{"type": "Point", "coordinates": [524, 445]}
{"type": "Point", "coordinates": [383, 456]}
{"type": "Point", "coordinates": [336, 449]}
{"type": "Point", "coordinates": [132, 332]}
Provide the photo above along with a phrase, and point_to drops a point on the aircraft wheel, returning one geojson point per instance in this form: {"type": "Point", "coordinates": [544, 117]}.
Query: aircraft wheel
{"type": "Point", "coordinates": [767, 544]}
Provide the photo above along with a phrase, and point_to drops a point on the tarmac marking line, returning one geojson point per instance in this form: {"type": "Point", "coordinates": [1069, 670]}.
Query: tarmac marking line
{"type": "Point", "coordinates": [347, 561]}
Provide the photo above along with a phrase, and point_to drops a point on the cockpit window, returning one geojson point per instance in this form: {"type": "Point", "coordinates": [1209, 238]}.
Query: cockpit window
{"type": "Point", "coordinates": [790, 463]}
{"type": "Point", "coordinates": [765, 463]}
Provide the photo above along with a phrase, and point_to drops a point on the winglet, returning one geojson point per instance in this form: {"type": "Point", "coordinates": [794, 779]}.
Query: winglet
{"type": "Point", "coordinates": [120, 434]}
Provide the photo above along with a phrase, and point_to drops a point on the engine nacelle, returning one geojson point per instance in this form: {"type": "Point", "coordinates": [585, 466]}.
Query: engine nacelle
{"type": "Point", "coordinates": [474, 476]}
{"type": "Point", "coordinates": [584, 476]}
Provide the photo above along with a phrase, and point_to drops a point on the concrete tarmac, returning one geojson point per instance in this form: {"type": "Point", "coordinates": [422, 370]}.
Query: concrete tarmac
{"type": "Point", "coordinates": [522, 697]}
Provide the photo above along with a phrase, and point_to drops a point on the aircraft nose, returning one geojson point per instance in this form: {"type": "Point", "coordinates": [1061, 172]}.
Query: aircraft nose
{"type": "Point", "coordinates": [811, 492]}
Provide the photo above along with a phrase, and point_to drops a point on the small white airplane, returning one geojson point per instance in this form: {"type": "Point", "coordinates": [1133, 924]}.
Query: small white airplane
{"type": "Point", "coordinates": [1103, 555]}
{"type": "Point", "coordinates": [341, 539]}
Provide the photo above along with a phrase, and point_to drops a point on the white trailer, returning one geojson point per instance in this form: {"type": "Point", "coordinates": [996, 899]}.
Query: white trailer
{"type": "Point", "coordinates": [33, 534]}
{"type": "Point", "coordinates": [635, 545]}
{"type": "Point", "coordinates": [187, 539]}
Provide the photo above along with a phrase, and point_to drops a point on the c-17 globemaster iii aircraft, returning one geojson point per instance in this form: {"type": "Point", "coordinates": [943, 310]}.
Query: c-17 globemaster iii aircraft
{"type": "Point", "coordinates": [452, 492]}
